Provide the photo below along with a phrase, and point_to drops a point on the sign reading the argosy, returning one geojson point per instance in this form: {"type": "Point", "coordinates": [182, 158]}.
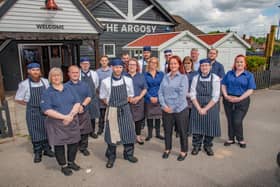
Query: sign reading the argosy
{"type": "Point", "coordinates": [130, 28]}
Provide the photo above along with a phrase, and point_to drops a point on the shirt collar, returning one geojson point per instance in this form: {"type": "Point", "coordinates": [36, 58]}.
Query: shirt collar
{"type": "Point", "coordinates": [177, 74]}
{"type": "Point", "coordinates": [72, 83]}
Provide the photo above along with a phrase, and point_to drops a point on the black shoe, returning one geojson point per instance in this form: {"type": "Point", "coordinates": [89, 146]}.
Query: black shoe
{"type": "Point", "coordinates": [99, 132]}
{"type": "Point", "coordinates": [140, 142]}
{"type": "Point", "coordinates": [195, 150]}
{"type": "Point", "coordinates": [209, 151]}
{"type": "Point", "coordinates": [93, 135]}
{"type": "Point", "coordinates": [73, 166]}
{"type": "Point", "coordinates": [85, 152]}
{"type": "Point", "coordinates": [165, 155]}
{"type": "Point", "coordinates": [110, 163]}
{"type": "Point", "coordinates": [37, 158]}
{"type": "Point", "coordinates": [242, 145]}
{"type": "Point", "coordinates": [160, 137]}
{"type": "Point", "coordinates": [131, 159]}
{"type": "Point", "coordinates": [66, 171]}
{"type": "Point", "coordinates": [148, 138]}
{"type": "Point", "coordinates": [49, 153]}
{"type": "Point", "coordinates": [181, 158]}
{"type": "Point", "coordinates": [229, 142]}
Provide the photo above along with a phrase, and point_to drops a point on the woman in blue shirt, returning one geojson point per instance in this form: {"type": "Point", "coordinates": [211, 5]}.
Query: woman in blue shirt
{"type": "Point", "coordinates": [137, 102]}
{"type": "Point", "coordinates": [61, 105]}
{"type": "Point", "coordinates": [153, 112]}
{"type": "Point", "coordinates": [172, 97]}
{"type": "Point", "coordinates": [237, 86]}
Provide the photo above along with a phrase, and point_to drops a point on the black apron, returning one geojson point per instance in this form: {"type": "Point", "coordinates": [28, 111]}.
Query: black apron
{"type": "Point", "coordinates": [94, 104]}
{"type": "Point", "coordinates": [118, 98]}
{"type": "Point", "coordinates": [208, 124]}
{"type": "Point", "coordinates": [153, 111]}
{"type": "Point", "coordinates": [85, 123]}
{"type": "Point", "coordinates": [138, 111]}
{"type": "Point", "coordinates": [34, 116]}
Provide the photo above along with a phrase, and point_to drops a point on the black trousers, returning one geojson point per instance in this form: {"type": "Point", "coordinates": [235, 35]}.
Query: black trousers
{"type": "Point", "coordinates": [138, 126]}
{"type": "Point", "coordinates": [111, 152]}
{"type": "Point", "coordinates": [197, 140]}
{"type": "Point", "coordinates": [83, 144]}
{"type": "Point", "coordinates": [59, 151]}
{"type": "Point", "coordinates": [93, 125]}
{"type": "Point", "coordinates": [181, 121]}
{"type": "Point", "coordinates": [235, 113]}
{"type": "Point", "coordinates": [40, 146]}
{"type": "Point", "coordinates": [101, 122]}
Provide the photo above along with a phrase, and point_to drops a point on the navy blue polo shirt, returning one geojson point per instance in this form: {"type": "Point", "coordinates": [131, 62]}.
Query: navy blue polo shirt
{"type": "Point", "coordinates": [82, 89]}
{"type": "Point", "coordinates": [139, 83]}
{"type": "Point", "coordinates": [218, 69]}
{"type": "Point", "coordinates": [238, 85]}
{"type": "Point", "coordinates": [60, 101]}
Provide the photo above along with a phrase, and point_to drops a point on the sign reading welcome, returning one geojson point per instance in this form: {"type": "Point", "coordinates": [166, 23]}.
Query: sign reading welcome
{"type": "Point", "coordinates": [49, 27]}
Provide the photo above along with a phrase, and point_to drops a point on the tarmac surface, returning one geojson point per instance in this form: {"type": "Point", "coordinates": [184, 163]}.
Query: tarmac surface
{"type": "Point", "coordinates": [230, 166]}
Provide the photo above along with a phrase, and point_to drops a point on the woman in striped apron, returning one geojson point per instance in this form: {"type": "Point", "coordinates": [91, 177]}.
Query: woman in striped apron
{"type": "Point", "coordinates": [61, 104]}
{"type": "Point", "coordinates": [91, 78]}
{"type": "Point", "coordinates": [137, 102]}
{"type": "Point", "coordinates": [29, 94]}
{"type": "Point", "coordinates": [116, 91]}
{"type": "Point", "coordinates": [205, 119]}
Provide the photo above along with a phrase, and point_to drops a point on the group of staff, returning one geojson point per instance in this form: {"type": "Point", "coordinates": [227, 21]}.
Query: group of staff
{"type": "Point", "coordinates": [121, 96]}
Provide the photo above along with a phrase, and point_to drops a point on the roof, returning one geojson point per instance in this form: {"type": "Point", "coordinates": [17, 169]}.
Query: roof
{"type": "Point", "coordinates": [92, 4]}
{"type": "Point", "coordinates": [211, 39]}
{"type": "Point", "coordinates": [80, 6]}
{"type": "Point", "coordinates": [153, 39]}
{"type": "Point", "coordinates": [185, 25]}
{"type": "Point", "coordinates": [161, 40]}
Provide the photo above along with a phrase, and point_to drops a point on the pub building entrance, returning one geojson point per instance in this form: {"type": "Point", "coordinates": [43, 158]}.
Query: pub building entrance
{"type": "Point", "coordinates": [48, 55]}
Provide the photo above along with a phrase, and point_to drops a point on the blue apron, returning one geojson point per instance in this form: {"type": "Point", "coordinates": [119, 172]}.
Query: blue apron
{"type": "Point", "coordinates": [208, 124]}
{"type": "Point", "coordinates": [34, 116]}
{"type": "Point", "coordinates": [118, 98]}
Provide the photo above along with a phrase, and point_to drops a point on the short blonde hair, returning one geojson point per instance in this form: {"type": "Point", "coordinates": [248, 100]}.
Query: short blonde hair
{"type": "Point", "coordinates": [149, 61]}
{"type": "Point", "coordinates": [53, 71]}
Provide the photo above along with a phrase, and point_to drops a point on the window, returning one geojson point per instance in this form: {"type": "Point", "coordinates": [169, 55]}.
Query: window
{"type": "Point", "coordinates": [138, 54]}
{"type": "Point", "coordinates": [109, 50]}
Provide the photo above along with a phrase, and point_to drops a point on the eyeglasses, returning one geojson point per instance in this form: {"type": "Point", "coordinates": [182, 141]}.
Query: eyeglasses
{"type": "Point", "coordinates": [187, 63]}
{"type": "Point", "coordinates": [132, 64]}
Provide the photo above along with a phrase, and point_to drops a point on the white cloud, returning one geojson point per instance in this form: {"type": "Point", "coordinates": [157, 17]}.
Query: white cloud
{"type": "Point", "coordinates": [237, 15]}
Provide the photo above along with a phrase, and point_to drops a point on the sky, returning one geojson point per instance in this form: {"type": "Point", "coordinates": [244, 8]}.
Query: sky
{"type": "Point", "coordinates": [250, 17]}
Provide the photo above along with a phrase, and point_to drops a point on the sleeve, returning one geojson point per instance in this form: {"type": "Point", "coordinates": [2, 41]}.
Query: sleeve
{"type": "Point", "coordinates": [89, 94]}
{"type": "Point", "coordinates": [95, 79]}
{"type": "Point", "coordinates": [22, 92]}
{"type": "Point", "coordinates": [216, 89]}
{"type": "Point", "coordinates": [251, 82]}
{"type": "Point", "coordinates": [193, 88]}
{"type": "Point", "coordinates": [222, 71]}
{"type": "Point", "coordinates": [46, 82]}
{"type": "Point", "coordinates": [45, 103]}
{"type": "Point", "coordinates": [161, 95]}
{"type": "Point", "coordinates": [104, 90]}
{"type": "Point", "coordinates": [145, 86]}
{"type": "Point", "coordinates": [225, 79]}
{"type": "Point", "coordinates": [75, 94]}
{"type": "Point", "coordinates": [148, 95]}
{"type": "Point", "coordinates": [129, 87]}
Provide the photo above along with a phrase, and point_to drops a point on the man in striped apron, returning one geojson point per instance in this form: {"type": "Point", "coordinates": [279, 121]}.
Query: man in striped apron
{"type": "Point", "coordinates": [116, 91]}
{"type": "Point", "coordinates": [205, 119]}
{"type": "Point", "coordinates": [29, 94]}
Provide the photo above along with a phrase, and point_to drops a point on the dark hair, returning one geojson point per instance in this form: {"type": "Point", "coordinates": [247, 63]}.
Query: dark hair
{"type": "Point", "coordinates": [188, 58]}
{"type": "Point", "coordinates": [181, 65]}
{"type": "Point", "coordinates": [240, 55]}
{"type": "Point", "coordinates": [104, 56]}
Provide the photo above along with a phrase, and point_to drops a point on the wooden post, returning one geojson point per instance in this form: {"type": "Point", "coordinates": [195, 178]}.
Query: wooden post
{"type": "Point", "coordinates": [271, 41]}
{"type": "Point", "coordinates": [97, 54]}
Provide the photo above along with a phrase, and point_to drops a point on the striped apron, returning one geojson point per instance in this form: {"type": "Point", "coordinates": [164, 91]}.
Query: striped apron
{"type": "Point", "coordinates": [34, 116]}
{"type": "Point", "coordinates": [126, 126]}
{"type": "Point", "coordinates": [94, 104]}
{"type": "Point", "coordinates": [208, 124]}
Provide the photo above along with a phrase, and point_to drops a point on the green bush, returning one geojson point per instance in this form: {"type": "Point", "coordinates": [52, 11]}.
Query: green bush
{"type": "Point", "coordinates": [256, 63]}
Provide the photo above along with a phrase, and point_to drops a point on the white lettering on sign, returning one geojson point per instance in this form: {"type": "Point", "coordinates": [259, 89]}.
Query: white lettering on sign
{"type": "Point", "coordinates": [113, 27]}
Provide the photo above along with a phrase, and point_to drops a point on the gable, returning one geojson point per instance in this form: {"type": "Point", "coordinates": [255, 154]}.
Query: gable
{"type": "Point", "coordinates": [103, 10]}
{"type": "Point", "coordinates": [30, 16]}
{"type": "Point", "coordinates": [231, 42]}
{"type": "Point", "coordinates": [153, 15]}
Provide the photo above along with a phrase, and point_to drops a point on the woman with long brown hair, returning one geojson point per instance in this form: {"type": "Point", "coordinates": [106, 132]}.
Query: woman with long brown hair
{"type": "Point", "coordinates": [172, 97]}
